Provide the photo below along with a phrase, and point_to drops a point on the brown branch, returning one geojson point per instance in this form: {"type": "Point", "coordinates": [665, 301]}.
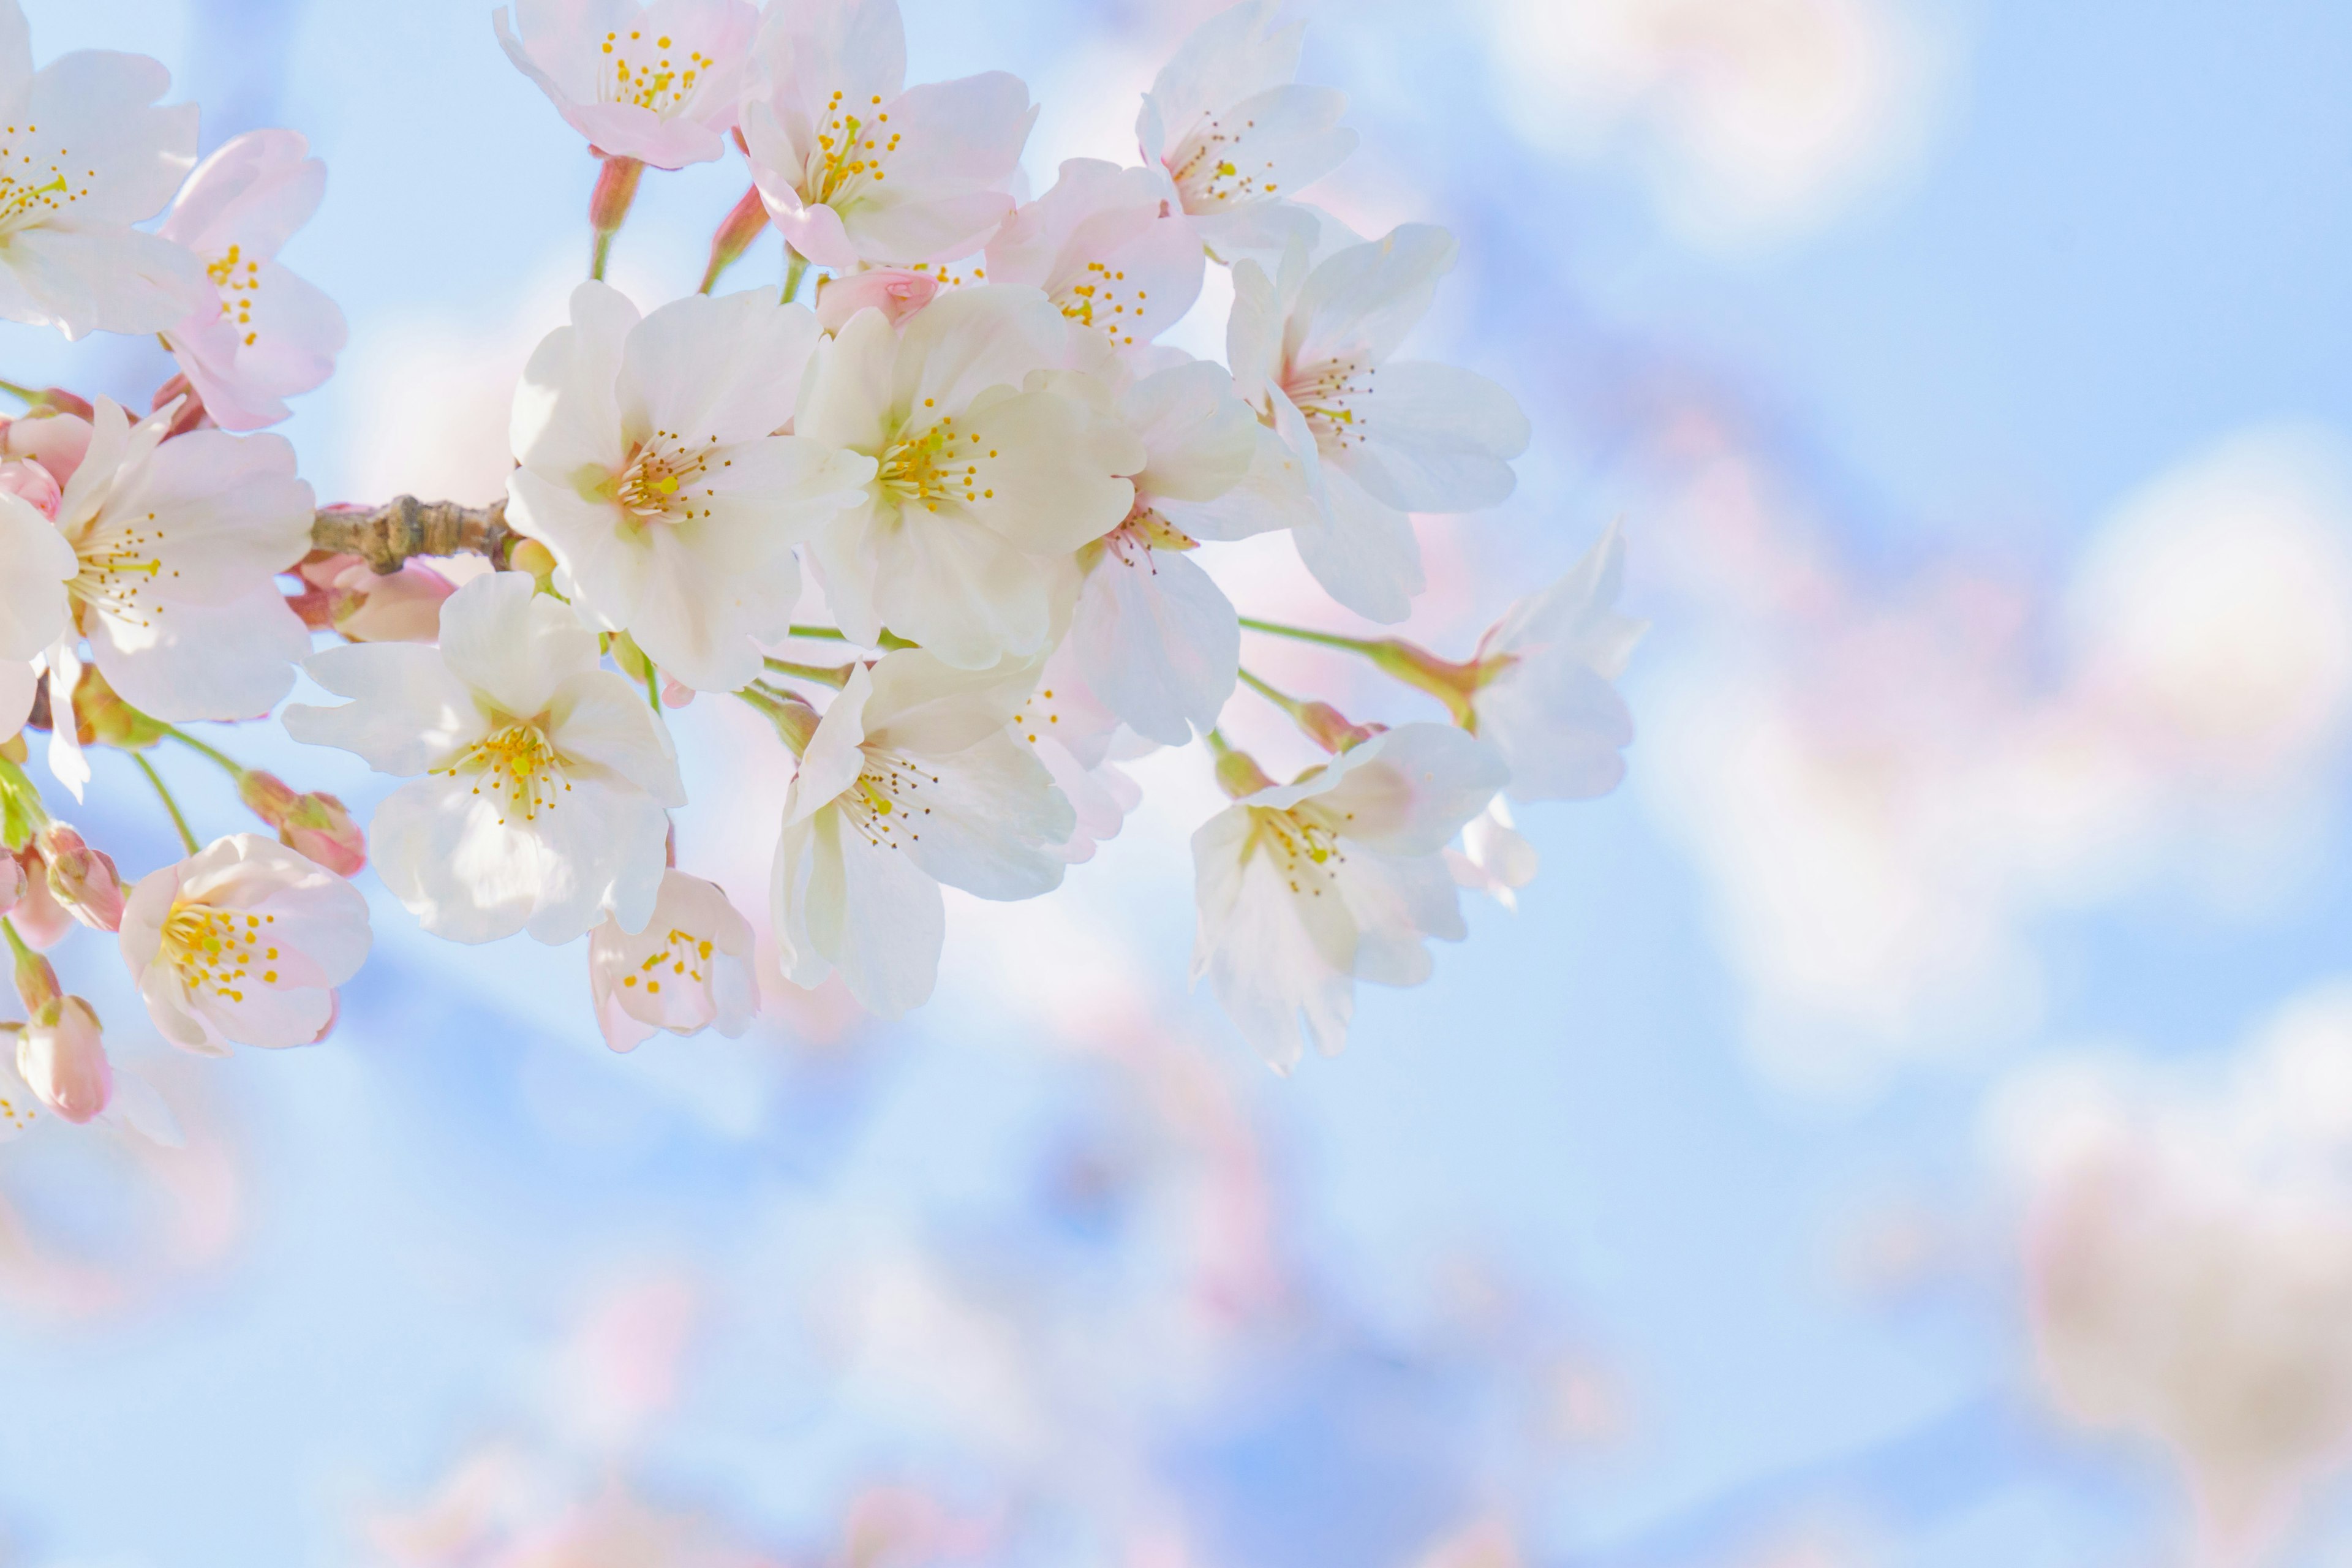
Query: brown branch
{"type": "Point", "coordinates": [386, 536]}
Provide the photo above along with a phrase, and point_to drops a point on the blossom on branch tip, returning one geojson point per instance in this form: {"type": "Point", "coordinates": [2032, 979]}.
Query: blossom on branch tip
{"type": "Point", "coordinates": [244, 941]}
{"type": "Point", "coordinates": [911, 780]}
{"type": "Point", "coordinates": [648, 465]}
{"type": "Point", "coordinates": [855, 165]}
{"type": "Point", "coordinates": [543, 781]}
{"type": "Point", "coordinates": [267, 334]}
{"type": "Point", "coordinates": [659, 83]}
{"type": "Point", "coordinates": [85, 153]}
{"type": "Point", "coordinates": [1099, 245]}
{"type": "Point", "coordinates": [1544, 696]}
{"type": "Point", "coordinates": [1305, 888]}
{"type": "Point", "coordinates": [688, 969]}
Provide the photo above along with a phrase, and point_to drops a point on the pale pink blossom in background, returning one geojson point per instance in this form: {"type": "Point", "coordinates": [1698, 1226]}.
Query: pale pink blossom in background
{"type": "Point", "coordinates": [688, 969]}
{"type": "Point", "coordinates": [1100, 246]}
{"type": "Point", "coordinates": [897, 291]}
{"type": "Point", "coordinates": [1548, 706]}
{"type": "Point", "coordinates": [659, 82]}
{"type": "Point", "coordinates": [349, 596]}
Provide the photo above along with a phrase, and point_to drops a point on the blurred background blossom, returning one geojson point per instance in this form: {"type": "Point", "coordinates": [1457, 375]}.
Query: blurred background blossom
{"type": "Point", "coordinates": [1909, 1124]}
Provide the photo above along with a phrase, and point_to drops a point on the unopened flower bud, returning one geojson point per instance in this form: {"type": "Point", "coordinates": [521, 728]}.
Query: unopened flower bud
{"type": "Point", "coordinates": [896, 292]}
{"type": "Point", "coordinates": [738, 229]}
{"type": "Point", "coordinates": [29, 483]}
{"type": "Point", "coordinates": [54, 434]}
{"type": "Point", "coordinates": [530, 556]}
{"type": "Point", "coordinates": [1238, 773]}
{"type": "Point", "coordinates": [315, 824]}
{"type": "Point", "coordinates": [103, 718]}
{"type": "Point", "coordinates": [36, 980]}
{"type": "Point", "coordinates": [12, 882]}
{"type": "Point", "coordinates": [81, 879]}
{"type": "Point", "coordinates": [191, 415]}
{"type": "Point", "coordinates": [61, 1055]}
{"type": "Point", "coordinates": [37, 917]}
{"type": "Point", "coordinates": [1330, 729]}
{"type": "Point", "coordinates": [617, 187]}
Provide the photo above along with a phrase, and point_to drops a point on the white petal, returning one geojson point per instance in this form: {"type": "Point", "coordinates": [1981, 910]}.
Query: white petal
{"type": "Point", "coordinates": [1158, 642]}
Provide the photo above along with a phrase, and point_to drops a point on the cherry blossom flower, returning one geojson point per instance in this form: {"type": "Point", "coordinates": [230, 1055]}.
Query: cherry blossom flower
{"type": "Point", "coordinates": [12, 882]}
{"type": "Point", "coordinates": [855, 165]}
{"type": "Point", "coordinates": [1237, 136]}
{"type": "Point", "coordinates": [86, 153]}
{"type": "Point", "coordinates": [1545, 698]}
{"type": "Point", "coordinates": [178, 544]}
{"type": "Point", "coordinates": [988, 476]}
{"type": "Point", "coordinates": [1080, 742]}
{"type": "Point", "coordinates": [544, 777]}
{"type": "Point", "coordinates": [61, 1056]}
{"type": "Point", "coordinates": [38, 917]}
{"type": "Point", "coordinates": [33, 598]}
{"type": "Point", "coordinates": [1101, 248]}
{"type": "Point", "coordinates": [265, 334]}
{"type": "Point", "coordinates": [1493, 859]}
{"type": "Point", "coordinates": [1377, 438]}
{"type": "Point", "coordinates": [1305, 888]}
{"type": "Point", "coordinates": [649, 469]}
{"type": "Point", "coordinates": [81, 879]}
{"type": "Point", "coordinates": [689, 970]}
{"type": "Point", "coordinates": [912, 779]}
{"type": "Point", "coordinates": [244, 941]}
{"type": "Point", "coordinates": [897, 291]}
{"type": "Point", "coordinates": [349, 597]}
{"type": "Point", "coordinates": [658, 83]}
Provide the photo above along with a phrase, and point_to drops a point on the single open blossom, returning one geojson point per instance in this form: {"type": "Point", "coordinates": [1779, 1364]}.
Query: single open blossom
{"type": "Point", "coordinates": [988, 474]}
{"type": "Point", "coordinates": [1305, 888]}
{"type": "Point", "coordinates": [689, 970]}
{"type": "Point", "coordinates": [855, 165]}
{"type": "Point", "coordinates": [1377, 437]}
{"type": "Point", "coordinates": [913, 779]}
{"type": "Point", "coordinates": [897, 291]}
{"type": "Point", "coordinates": [650, 469]}
{"type": "Point", "coordinates": [178, 544]}
{"type": "Point", "coordinates": [1104, 250]}
{"type": "Point", "coordinates": [544, 777]}
{"type": "Point", "coordinates": [658, 82]}
{"type": "Point", "coordinates": [244, 941]}
{"type": "Point", "coordinates": [265, 334]}
{"type": "Point", "coordinates": [1548, 704]}
{"type": "Point", "coordinates": [1237, 136]}
{"type": "Point", "coordinates": [61, 1056]}
{"type": "Point", "coordinates": [84, 154]}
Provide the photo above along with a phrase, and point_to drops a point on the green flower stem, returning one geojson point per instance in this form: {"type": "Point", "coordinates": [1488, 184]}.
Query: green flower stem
{"type": "Point", "coordinates": [836, 675]}
{"type": "Point", "coordinates": [236, 769]}
{"type": "Point", "coordinates": [163, 790]}
{"type": "Point", "coordinates": [1301, 634]}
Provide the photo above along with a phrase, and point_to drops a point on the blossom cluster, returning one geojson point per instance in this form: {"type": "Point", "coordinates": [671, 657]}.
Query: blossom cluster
{"type": "Point", "coordinates": [956, 414]}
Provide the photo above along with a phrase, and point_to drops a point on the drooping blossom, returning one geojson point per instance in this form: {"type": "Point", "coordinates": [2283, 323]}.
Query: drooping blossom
{"type": "Point", "coordinates": [1377, 437]}
{"type": "Point", "coordinates": [178, 544]}
{"type": "Point", "coordinates": [1305, 888]}
{"type": "Point", "coordinates": [85, 153]}
{"type": "Point", "coordinates": [897, 291]}
{"type": "Point", "coordinates": [1103, 250]}
{"type": "Point", "coordinates": [911, 780]}
{"type": "Point", "coordinates": [265, 334]}
{"type": "Point", "coordinates": [1545, 698]}
{"type": "Point", "coordinates": [244, 941]}
{"type": "Point", "coordinates": [349, 597]}
{"type": "Point", "coordinates": [658, 83]}
{"type": "Point", "coordinates": [689, 970]}
{"type": "Point", "coordinates": [61, 1056]}
{"type": "Point", "coordinates": [987, 476]}
{"type": "Point", "coordinates": [1235, 136]}
{"type": "Point", "coordinates": [543, 781]}
{"type": "Point", "coordinates": [855, 165]}
{"type": "Point", "coordinates": [650, 466]}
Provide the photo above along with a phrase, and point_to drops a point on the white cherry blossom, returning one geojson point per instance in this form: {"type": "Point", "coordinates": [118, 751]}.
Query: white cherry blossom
{"type": "Point", "coordinates": [688, 969]}
{"type": "Point", "coordinates": [1101, 245]}
{"type": "Point", "coordinates": [32, 600]}
{"type": "Point", "coordinates": [912, 779]}
{"type": "Point", "coordinates": [244, 941]}
{"type": "Point", "coordinates": [1081, 742]}
{"type": "Point", "coordinates": [1377, 437]}
{"type": "Point", "coordinates": [659, 82]}
{"type": "Point", "coordinates": [1494, 859]}
{"type": "Point", "coordinates": [543, 781]}
{"type": "Point", "coordinates": [1305, 888]}
{"type": "Point", "coordinates": [265, 334]}
{"type": "Point", "coordinates": [84, 154]}
{"type": "Point", "coordinates": [1235, 136]}
{"type": "Point", "coordinates": [989, 474]}
{"type": "Point", "coordinates": [1545, 698]}
{"type": "Point", "coordinates": [650, 466]}
{"type": "Point", "coordinates": [855, 165]}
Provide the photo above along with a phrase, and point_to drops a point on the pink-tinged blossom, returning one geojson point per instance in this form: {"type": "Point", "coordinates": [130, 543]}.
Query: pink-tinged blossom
{"type": "Point", "coordinates": [38, 917]}
{"type": "Point", "coordinates": [647, 463]}
{"type": "Point", "coordinates": [1545, 698]}
{"type": "Point", "coordinates": [55, 440]}
{"type": "Point", "coordinates": [265, 334]}
{"type": "Point", "coordinates": [1305, 888]}
{"type": "Point", "coordinates": [658, 83]}
{"type": "Point", "coordinates": [897, 291]}
{"type": "Point", "coordinates": [1236, 137]}
{"type": "Point", "coordinates": [1104, 250]}
{"type": "Point", "coordinates": [12, 882]}
{"type": "Point", "coordinates": [61, 1056]}
{"type": "Point", "coordinates": [1080, 742]}
{"type": "Point", "coordinates": [912, 779]}
{"type": "Point", "coordinates": [855, 165]}
{"type": "Point", "coordinates": [82, 881]}
{"type": "Point", "coordinates": [84, 154]}
{"type": "Point", "coordinates": [689, 970]}
{"type": "Point", "coordinates": [243, 942]}
{"type": "Point", "coordinates": [349, 597]}
{"type": "Point", "coordinates": [1376, 437]}
{"type": "Point", "coordinates": [34, 485]}
{"type": "Point", "coordinates": [544, 780]}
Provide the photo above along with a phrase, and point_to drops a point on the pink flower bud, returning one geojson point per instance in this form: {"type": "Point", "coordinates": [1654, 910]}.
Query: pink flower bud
{"type": "Point", "coordinates": [37, 917]}
{"type": "Point", "coordinates": [895, 291]}
{"type": "Point", "coordinates": [12, 882]}
{"type": "Point", "coordinates": [27, 479]}
{"type": "Point", "coordinates": [315, 824]}
{"type": "Point", "coordinates": [54, 440]}
{"type": "Point", "coordinates": [617, 187]}
{"type": "Point", "coordinates": [62, 1057]}
{"type": "Point", "coordinates": [37, 982]}
{"type": "Point", "coordinates": [81, 879]}
{"type": "Point", "coordinates": [398, 607]}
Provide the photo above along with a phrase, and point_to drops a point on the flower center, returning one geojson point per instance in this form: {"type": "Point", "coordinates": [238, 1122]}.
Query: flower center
{"type": "Point", "coordinates": [885, 803]}
{"type": "Point", "coordinates": [938, 465]}
{"type": "Point", "coordinates": [1305, 849]}
{"type": "Point", "coordinates": [649, 78]}
{"type": "Point", "coordinates": [120, 566]}
{"type": "Point", "coordinates": [849, 151]}
{"type": "Point", "coordinates": [518, 767]}
{"type": "Point", "coordinates": [1101, 297]}
{"type": "Point", "coordinates": [30, 196]}
{"type": "Point", "coordinates": [238, 281]}
{"type": "Point", "coordinates": [661, 479]}
{"type": "Point", "coordinates": [681, 957]}
{"type": "Point", "coordinates": [1208, 166]}
{"type": "Point", "coordinates": [1332, 396]}
{"type": "Point", "coordinates": [217, 948]}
